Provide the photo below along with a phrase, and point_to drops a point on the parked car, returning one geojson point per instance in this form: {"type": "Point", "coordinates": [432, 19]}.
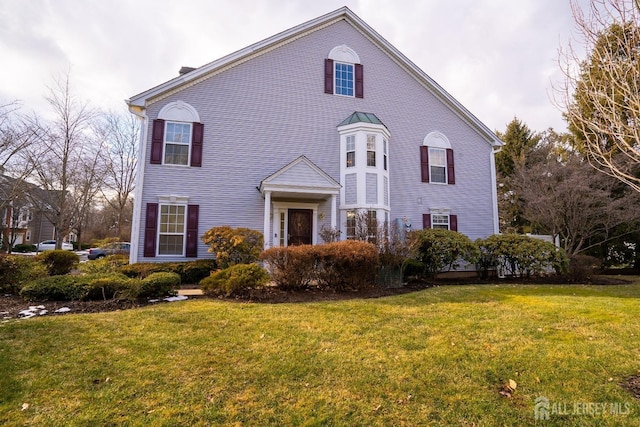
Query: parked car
{"type": "Point", "coordinates": [109, 249]}
{"type": "Point", "coordinates": [49, 245]}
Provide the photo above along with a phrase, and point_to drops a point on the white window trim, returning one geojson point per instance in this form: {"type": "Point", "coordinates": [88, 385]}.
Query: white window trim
{"type": "Point", "coordinates": [184, 227]}
{"type": "Point", "coordinates": [443, 215]}
{"type": "Point", "coordinates": [353, 80]}
{"type": "Point", "coordinates": [354, 151]}
{"type": "Point", "coordinates": [445, 182]}
{"type": "Point", "coordinates": [188, 143]}
{"type": "Point", "coordinates": [374, 151]}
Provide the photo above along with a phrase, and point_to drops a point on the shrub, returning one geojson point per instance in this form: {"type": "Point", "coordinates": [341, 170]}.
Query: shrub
{"type": "Point", "coordinates": [413, 268]}
{"type": "Point", "coordinates": [349, 264]}
{"type": "Point", "coordinates": [235, 280]}
{"type": "Point", "coordinates": [16, 271]}
{"type": "Point", "coordinates": [442, 250]}
{"type": "Point", "coordinates": [58, 262]}
{"type": "Point", "coordinates": [111, 286]}
{"type": "Point", "coordinates": [523, 256]}
{"type": "Point", "coordinates": [108, 264]}
{"type": "Point", "coordinates": [583, 267]}
{"type": "Point", "coordinates": [340, 265]}
{"type": "Point", "coordinates": [233, 245]}
{"type": "Point", "coordinates": [57, 288]}
{"type": "Point", "coordinates": [140, 270]}
{"type": "Point", "coordinates": [22, 248]}
{"type": "Point", "coordinates": [190, 271]}
{"type": "Point", "coordinates": [159, 284]}
{"type": "Point", "coordinates": [291, 267]}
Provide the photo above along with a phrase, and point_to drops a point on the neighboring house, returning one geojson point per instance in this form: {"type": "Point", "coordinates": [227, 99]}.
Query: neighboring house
{"type": "Point", "coordinates": [24, 219]}
{"type": "Point", "coordinates": [300, 132]}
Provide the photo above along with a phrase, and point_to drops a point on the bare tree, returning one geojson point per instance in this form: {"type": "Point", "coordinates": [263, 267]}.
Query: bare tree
{"type": "Point", "coordinates": [601, 94]}
{"type": "Point", "coordinates": [562, 196]}
{"type": "Point", "coordinates": [59, 163]}
{"type": "Point", "coordinates": [121, 134]}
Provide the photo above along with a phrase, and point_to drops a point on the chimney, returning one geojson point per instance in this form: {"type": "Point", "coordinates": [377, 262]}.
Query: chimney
{"type": "Point", "coordinates": [185, 70]}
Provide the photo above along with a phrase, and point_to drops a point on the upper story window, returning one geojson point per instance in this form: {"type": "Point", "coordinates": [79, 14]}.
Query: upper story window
{"type": "Point", "coordinates": [177, 136]}
{"type": "Point", "coordinates": [177, 141]}
{"type": "Point", "coordinates": [437, 165]}
{"type": "Point", "coordinates": [351, 151]}
{"type": "Point", "coordinates": [343, 73]}
{"type": "Point", "coordinates": [343, 79]}
{"type": "Point", "coordinates": [436, 160]}
{"type": "Point", "coordinates": [371, 150]}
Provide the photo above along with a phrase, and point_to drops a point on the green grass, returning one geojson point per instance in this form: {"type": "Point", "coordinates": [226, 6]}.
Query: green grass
{"type": "Point", "coordinates": [436, 357]}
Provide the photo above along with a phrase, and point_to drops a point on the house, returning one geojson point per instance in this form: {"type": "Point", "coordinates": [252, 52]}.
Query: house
{"type": "Point", "coordinates": [24, 211]}
{"type": "Point", "coordinates": [301, 132]}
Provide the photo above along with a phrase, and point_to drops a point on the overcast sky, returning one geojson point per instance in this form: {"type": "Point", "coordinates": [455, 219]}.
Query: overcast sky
{"type": "Point", "coordinates": [497, 57]}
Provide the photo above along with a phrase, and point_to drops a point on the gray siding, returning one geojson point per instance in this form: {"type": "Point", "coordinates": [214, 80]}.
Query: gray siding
{"type": "Point", "coordinates": [263, 113]}
{"type": "Point", "coordinates": [372, 188]}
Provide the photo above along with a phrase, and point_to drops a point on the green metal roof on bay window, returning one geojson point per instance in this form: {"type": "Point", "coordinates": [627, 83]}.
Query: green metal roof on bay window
{"type": "Point", "coordinates": [360, 117]}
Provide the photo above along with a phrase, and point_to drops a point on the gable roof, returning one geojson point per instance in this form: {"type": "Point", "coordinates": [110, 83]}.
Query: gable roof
{"type": "Point", "coordinates": [300, 176]}
{"type": "Point", "coordinates": [139, 102]}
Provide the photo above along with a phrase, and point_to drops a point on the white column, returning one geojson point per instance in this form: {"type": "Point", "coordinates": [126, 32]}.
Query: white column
{"type": "Point", "coordinates": [333, 211]}
{"type": "Point", "coordinates": [267, 219]}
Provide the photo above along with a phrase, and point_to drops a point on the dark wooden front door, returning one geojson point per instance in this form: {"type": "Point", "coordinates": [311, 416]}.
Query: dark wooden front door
{"type": "Point", "coordinates": [300, 226]}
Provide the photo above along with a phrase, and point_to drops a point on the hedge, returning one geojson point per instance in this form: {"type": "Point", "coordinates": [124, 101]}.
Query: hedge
{"type": "Point", "coordinates": [235, 280]}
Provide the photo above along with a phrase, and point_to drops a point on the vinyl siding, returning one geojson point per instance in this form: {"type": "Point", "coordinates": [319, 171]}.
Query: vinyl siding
{"type": "Point", "coordinates": [261, 114]}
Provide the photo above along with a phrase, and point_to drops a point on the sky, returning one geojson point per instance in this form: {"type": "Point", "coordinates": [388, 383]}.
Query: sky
{"type": "Point", "coordinates": [499, 58]}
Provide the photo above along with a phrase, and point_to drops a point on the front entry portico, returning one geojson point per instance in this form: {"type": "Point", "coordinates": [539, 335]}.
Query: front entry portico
{"type": "Point", "coordinates": [293, 199]}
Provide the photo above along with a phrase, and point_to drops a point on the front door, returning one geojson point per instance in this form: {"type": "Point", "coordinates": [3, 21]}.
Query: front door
{"type": "Point", "coordinates": [300, 227]}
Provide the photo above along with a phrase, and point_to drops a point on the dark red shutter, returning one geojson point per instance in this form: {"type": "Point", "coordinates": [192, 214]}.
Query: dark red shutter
{"type": "Point", "coordinates": [359, 81]}
{"type": "Point", "coordinates": [426, 221]}
{"type": "Point", "coordinates": [424, 163]}
{"type": "Point", "coordinates": [451, 171]}
{"type": "Point", "coordinates": [150, 230]}
{"type": "Point", "coordinates": [453, 222]}
{"type": "Point", "coordinates": [157, 139]}
{"type": "Point", "coordinates": [192, 231]}
{"type": "Point", "coordinates": [196, 145]}
{"type": "Point", "coordinates": [328, 76]}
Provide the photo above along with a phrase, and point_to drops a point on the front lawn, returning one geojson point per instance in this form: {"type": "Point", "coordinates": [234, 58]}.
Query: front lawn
{"type": "Point", "coordinates": [440, 356]}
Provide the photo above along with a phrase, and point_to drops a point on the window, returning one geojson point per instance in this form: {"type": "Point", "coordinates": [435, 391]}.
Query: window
{"type": "Point", "coordinates": [177, 143]}
{"type": "Point", "coordinates": [384, 152]}
{"type": "Point", "coordinates": [343, 79]}
{"type": "Point", "coordinates": [27, 236]}
{"type": "Point", "coordinates": [171, 230]}
{"type": "Point", "coordinates": [436, 159]}
{"type": "Point", "coordinates": [371, 150]}
{"type": "Point", "coordinates": [438, 165]}
{"type": "Point", "coordinates": [343, 73]}
{"type": "Point", "coordinates": [351, 151]}
{"type": "Point", "coordinates": [351, 225]}
{"type": "Point", "coordinates": [440, 221]}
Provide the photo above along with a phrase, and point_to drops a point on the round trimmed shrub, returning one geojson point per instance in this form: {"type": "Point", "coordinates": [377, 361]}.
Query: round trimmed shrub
{"type": "Point", "coordinates": [22, 248]}
{"type": "Point", "coordinates": [56, 288]}
{"type": "Point", "coordinates": [107, 264]}
{"type": "Point", "coordinates": [442, 250]}
{"type": "Point", "coordinates": [159, 284]}
{"type": "Point", "coordinates": [111, 286]}
{"type": "Point", "coordinates": [235, 280]}
{"type": "Point", "coordinates": [59, 262]}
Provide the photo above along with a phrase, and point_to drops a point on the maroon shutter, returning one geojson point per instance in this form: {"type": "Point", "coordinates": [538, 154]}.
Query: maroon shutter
{"type": "Point", "coordinates": [150, 230]}
{"type": "Point", "coordinates": [424, 163]}
{"type": "Point", "coordinates": [192, 231]}
{"type": "Point", "coordinates": [328, 76]}
{"type": "Point", "coordinates": [359, 81]}
{"type": "Point", "coordinates": [451, 171]}
{"type": "Point", "coordinates": [453, 222]}
{"type": "Point", "coordinates": [426, 221]}
{"type": "Point", "coordinates": [196, 145]}
{"type": "Point", "coordinates": [157, 139]}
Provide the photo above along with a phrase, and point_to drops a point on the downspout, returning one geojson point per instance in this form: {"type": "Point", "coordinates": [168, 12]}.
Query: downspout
{"type": "Point", "coordinates": [494, 189]}
{"type": "Point", "coordinates": [139, 112]}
